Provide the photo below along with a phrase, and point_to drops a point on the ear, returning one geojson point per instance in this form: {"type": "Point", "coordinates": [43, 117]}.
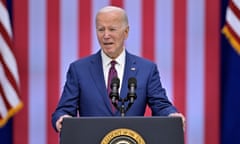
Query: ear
{"type": "Point", "coordinates": [126, 31]}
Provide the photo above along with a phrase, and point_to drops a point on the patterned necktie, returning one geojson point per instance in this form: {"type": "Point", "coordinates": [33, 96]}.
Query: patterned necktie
{"type": "Point", "coordinates": [111, 74]}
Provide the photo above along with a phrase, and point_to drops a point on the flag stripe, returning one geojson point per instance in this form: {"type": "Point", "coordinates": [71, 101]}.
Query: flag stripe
{"type": "Point", "coordinates": [12, 84]}
{"type": "Point", "coordinates": [234, 21]}
{"type": "Point", "coordinates": [232, 32]}
{"type": "Point", "coordinates": [164, 45]}
{"type": "Point", "coordinates": [20, 19]}
{"type": "Point", "coordinates": [8, 62]}
{"type": "Point", "coordinates": [179, 55]}
{"type": "Point", "coordinates": [10, 104]}
{"type": "Point", "coordinates": [195, 72]}
{"type": "Point", "coordinates": [69, 36]}
{"type": "Point", "coordinates": [84, 28]}
{"type": "Point", "coordinates": [237, 3]}
{"type": "Point", "coordinates": [4, 2]}
{"type": "Point", "coordinates": [133, 44]}
{"type": "Point", "coordinates": [53, 64]}
{"type": "Point", "coordinates": [212, 66]}
{"type": "Point", "coordinates": [5, 104]}
{"type": "Point", "coordinates": [117, 3]}
{"type": "Point", "coordinates": [148, 28]}
{"type": "Point", "coordinates": [4, 109]}
{"type": "Point", "coordinates": [7, 56]}
{"type": "Point", "coordinates": [148, 33]}
{"type": "Point", "coordinates": [11, 98]}
{"type": "Point", "coordinates": [37, 71]}
{"type": "Point", "coordinates": [5, 39]}
{"type": "Point", "coordinates": [235, 7]}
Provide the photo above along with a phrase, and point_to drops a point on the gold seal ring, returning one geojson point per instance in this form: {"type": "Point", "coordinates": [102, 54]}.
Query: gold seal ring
{"type": "Point", "coordinates": [122, 135]}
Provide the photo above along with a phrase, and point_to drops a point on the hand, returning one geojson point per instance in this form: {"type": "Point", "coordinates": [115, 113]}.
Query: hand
{"type": "Point", "coordinates": [179, 115]}
{"type": "Point", "coordinates": [59, 122]}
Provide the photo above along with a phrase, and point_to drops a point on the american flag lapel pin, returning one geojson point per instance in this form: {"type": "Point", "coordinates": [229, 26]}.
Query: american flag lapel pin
{"type": "Point", "coordinates": [133, 68]}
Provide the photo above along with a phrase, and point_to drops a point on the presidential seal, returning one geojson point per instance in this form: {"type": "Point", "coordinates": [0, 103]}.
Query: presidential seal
{"type": "Point", "coordinates": [122, 136]}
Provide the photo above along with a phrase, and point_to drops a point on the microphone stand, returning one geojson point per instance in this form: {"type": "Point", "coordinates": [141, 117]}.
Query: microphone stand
{"type": "Point", "coordinates": [122, 108]}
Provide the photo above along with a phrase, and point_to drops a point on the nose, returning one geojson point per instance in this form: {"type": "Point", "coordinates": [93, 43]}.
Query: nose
{"type": "Point", "coordinates": [106, 35]}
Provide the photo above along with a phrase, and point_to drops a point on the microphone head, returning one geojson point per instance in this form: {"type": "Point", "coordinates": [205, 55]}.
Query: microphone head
{"type": "Point", "coordinates": [115, 82]}
{"type": "Point", "coordinates": [132, 82]}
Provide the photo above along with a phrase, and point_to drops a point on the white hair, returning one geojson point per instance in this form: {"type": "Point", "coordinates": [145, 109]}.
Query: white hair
{"type": "Point", "coordinates": [116, 9]}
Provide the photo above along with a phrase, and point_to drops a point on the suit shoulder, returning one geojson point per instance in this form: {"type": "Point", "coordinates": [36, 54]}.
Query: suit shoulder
{"type": "Point", "coordinates": [84, 60]}
{"type": "Point", "coordinates": [142, 60]}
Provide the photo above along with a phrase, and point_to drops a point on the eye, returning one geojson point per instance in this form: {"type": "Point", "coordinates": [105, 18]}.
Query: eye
{"type": "Point", "coordinates": [112, 29]}
{"type": "Point", "coordinates": [100, 29]}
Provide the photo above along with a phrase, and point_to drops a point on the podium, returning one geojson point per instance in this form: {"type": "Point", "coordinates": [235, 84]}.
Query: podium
{"type": "Point", "coordinates": [122, 130]}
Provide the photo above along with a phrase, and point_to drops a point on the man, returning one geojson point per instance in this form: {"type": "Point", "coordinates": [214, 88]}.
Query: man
{"type": "Point", "coordinates": [85, 91]}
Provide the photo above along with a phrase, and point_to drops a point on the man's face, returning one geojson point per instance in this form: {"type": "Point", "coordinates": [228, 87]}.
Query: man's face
{"type": "Point", "coordinates": [111, 33]}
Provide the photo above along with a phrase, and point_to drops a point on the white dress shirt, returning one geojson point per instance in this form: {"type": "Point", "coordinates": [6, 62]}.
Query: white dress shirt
{"type": "Point", "coordinates": [119, 66]}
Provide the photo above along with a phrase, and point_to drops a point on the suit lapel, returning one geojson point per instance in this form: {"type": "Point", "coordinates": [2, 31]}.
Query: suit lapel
{"type": "Point", "coordinates": [96, 71]}
{"type": "Point", "coordinates": [129, 71]}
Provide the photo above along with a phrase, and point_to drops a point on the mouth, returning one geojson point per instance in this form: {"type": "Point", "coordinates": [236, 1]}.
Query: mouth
{"type": "Point", "coordinates": [108, 43]}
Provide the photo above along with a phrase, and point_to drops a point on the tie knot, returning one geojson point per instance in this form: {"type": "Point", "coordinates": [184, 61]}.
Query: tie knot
{"type": "Point", "coordinates": [113, 62]}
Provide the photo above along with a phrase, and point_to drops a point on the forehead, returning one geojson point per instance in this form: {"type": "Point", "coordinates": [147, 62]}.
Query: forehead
{"type": "Point", "coordinates": [113, 17]}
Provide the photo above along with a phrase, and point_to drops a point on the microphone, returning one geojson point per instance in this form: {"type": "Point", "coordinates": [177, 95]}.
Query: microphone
{"type": "Point", "coordinates": [114, 95]}
{"type": "Point", "coordinates": [132, 85]}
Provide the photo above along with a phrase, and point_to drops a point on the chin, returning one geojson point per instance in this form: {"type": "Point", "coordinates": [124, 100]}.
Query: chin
{"type": "Point", "coordinates": [111, 55]}
{"type": "Point", "coordinates": [109, 50]}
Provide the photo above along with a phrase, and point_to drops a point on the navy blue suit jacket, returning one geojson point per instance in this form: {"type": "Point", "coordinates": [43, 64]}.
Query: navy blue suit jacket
{"type": "Point", "coordinates": [85, 90]}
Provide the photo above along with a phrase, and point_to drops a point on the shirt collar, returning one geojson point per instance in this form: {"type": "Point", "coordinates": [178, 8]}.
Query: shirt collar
{"type": "Point", "coordinates": [120, 59]}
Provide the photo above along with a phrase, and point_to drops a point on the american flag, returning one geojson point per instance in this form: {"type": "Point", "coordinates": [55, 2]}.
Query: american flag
{"type": "Point", "coordinates": [232, 26]}
{"type": "Point", "coordinates": [230, 69]}
{"type": "Point", "coordinates": [182, 37]}
{"type": "Point", "coordinates": [9, 78]}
